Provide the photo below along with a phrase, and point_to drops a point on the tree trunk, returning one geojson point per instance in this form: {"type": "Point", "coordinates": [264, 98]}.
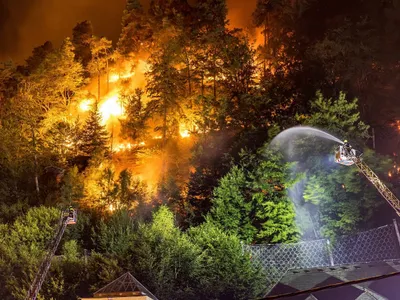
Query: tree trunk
{"type": "Point", "coordinates": [108, 77]}
{"type": "Point", "coordinates": [112, 139]}
{"type": "Point", "coordinates": [98, 87]}
{"type": "Point", "coordinates": [265, 48]}
{"type": "Point", "coordinates": [215, 85]}
{"type": "Point", "coordinates": [164, 134]}
{"type": "Point", "coordinates": [35, 161]}
{"type": "Point", "coordinates": [189, 75]}
{"type": "Point", "coordinates": [164, 141]}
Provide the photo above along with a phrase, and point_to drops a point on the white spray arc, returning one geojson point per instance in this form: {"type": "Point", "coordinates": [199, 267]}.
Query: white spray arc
{"type": "Point", "coordinates": [286, 142]}
{"type": "Point", "coordinates": [297, 131]}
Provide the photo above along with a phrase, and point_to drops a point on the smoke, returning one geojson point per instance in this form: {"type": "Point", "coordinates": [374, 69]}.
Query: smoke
{"type": "Point", "coordinates": [25, 24]}
{"type": "Point", "coordinates": [239, 13]}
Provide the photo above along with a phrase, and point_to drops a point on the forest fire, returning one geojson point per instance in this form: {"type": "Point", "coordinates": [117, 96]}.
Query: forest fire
{"type": "Point", "coordinates": [152, 135]}
{"type": "Point", "coordinates": [85, 105]}
{"type": "Point", "coordinates": [116, 77]}
{"type": "Point", "coordinates": [111, 107]}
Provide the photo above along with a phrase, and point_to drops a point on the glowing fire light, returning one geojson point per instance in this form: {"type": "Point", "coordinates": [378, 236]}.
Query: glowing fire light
{"type": "Point", "coordinates": [85, 105]}
{"type": "Point", "coordinates": [184, 134]}
{"type": "Point", "coordinates": [143, 66]}
{"type": "Point", "coordinates": [115, 77]}
{"type": "Point", "coordinates": [110, 107]}
{"type": "Point", "coordinates": [129, 146]}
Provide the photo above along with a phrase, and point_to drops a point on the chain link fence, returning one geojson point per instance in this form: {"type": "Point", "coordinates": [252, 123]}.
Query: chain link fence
{"type": "Point", "coordinates": [378, 244]}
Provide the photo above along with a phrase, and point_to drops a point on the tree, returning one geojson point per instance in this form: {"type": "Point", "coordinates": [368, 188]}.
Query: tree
{"type": "Point", "coordinates": [165, 258]}
{"type": "Point", "coordinates": [137, 115]}
{"type": "Point", "coordinates": [337, 115]}
{"type": "Point", "coordinates": [341, 197]}
{"type": "Point", "coordinates": [262, 18]}
{"type": "Point", "coordinates": [38, 55]}
{"type": "Point", "coordinates": [94, 136]}
{"type": "Point", "coordinates": [23, 246]}
{"type": "Point", "coordinates": [251, 201]}
{"type": "Point", "coordinates": [236, 277]}
{"type": "Point", "coordinates": [135, 29]}
{"type": "Point", "coordinates": [72, 188]}
{"type": "Point", "coordinates": [101, 54]}
{"type": "Point", "coordinates": [81, 38]}
{"type": "Point", "coordinates": [164, 87]}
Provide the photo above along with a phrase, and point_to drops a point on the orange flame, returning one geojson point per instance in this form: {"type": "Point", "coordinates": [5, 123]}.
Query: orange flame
{"type": "Point", "coordinates": [111, 107]}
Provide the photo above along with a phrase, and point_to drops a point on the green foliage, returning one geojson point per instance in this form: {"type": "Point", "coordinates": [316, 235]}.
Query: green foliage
{"type": "Point", "coordinates": [72, 188]}
{"type": "Point", "coordinates": [22, 247]}
{"type": "Point", "coordinates": [339, 116]}
{"type": "Point", "coordinates": [251, 200]}
{"type": "Point", "coordinates": [94, 136]}
{"type": "Point", "coordinates": [226, 271]}
{"type": "Point", "coordinates": [165, 258]}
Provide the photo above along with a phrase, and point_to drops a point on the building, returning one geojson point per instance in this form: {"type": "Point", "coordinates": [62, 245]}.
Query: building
{"type": "Point", "coordinates": [125, 287]}
{"type": "Point", "coordinates": [305, 279]}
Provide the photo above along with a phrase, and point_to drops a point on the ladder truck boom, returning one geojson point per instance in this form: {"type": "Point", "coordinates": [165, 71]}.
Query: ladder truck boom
{"type": "Point", "coordinates": [345, 155]}
{"type": "Point", "coordinates": [46, 263]}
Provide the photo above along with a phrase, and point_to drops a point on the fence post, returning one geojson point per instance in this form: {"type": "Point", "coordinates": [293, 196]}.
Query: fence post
{"type": "Point", "coordinates": [396, 228]}
{"type": "Point", "coordinates": [328, 245]}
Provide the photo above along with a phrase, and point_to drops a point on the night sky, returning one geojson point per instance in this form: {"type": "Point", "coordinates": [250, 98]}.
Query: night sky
{"type": "Point", "coordinates": [25, 24]}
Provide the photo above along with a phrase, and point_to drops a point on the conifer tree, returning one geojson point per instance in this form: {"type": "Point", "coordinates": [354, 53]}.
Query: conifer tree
{"type": "Point", "coordinates": [94, 136]}
{"type": "Point", "coordinates": [81, 38]}
{"type": "Point", "coordinates": [135, 28]}
{"type": "Point", "coordinates": [252, 202]}
{"type": "Point", "coordinates": [101, 54]}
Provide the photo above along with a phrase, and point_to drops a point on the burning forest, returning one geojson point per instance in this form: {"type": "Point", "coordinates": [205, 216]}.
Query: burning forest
{"type": "Point", "coordinates": [150, 152]}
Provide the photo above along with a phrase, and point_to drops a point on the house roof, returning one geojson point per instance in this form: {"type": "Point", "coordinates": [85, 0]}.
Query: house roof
{"type": "Point", "coordinates": [125, 284]}
{"type": "Point", "coordinates": [303, 279]}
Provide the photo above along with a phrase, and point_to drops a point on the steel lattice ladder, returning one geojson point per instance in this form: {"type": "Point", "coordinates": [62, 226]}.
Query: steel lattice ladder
{"type": "Point", "coordinates": [379, 185]}
{"type": "Point", "coordinates": [45, 266]}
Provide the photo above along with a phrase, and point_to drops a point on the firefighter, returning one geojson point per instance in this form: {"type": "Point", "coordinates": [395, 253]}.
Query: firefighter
{"type": "Point", "coordinates": [347, 147]}
{"type": "Point", "coordinates": [71, 211]}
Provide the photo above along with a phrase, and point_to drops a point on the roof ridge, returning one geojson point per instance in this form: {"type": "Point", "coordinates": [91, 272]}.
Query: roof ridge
{"type": "Point", "coordinates": [128, 279]}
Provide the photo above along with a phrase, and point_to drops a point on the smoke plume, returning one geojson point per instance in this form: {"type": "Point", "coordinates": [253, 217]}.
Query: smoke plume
{"type": "Point", "coordinates": [25, 24]}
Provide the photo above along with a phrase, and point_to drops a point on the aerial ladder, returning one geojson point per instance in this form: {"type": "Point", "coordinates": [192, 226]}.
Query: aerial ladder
{"type": "Point", "coordinates": [65, 220]}
{"type": "Point", "coordinates": [346, 155]}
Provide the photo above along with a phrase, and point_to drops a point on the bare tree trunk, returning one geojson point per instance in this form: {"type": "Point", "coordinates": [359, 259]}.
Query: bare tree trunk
{"type": "Point", "coordinates": [215, 85]}
{"type": "Point", "coordinates": [108, 76]}
{"type": "Point", "coordinates": [164, 141]}
{"type": "Point", "coordinates": [189, 75]}
{"type": "Point", "coordinates": [164, 134]}
{"type": "Point", "coordinates": [265, 48]}
{"type": "Point", "coordinates": [98, 87]}
{"type": "Point", "coordinates": [112, 139]}
{"type": "Point", "coordinates": [35, 161]}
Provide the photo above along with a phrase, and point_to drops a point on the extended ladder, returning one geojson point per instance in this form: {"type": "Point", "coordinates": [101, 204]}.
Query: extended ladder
{"type": "Point", "coordinates": [45, 266]}
{"type": "Point", "coordinates": [379, 185]}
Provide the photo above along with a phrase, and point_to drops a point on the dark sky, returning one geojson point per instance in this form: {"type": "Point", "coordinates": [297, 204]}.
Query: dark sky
{"type": "Point", "coordinates": [25, 24]}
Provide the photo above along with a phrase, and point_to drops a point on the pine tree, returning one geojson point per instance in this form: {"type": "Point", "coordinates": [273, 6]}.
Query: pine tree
{"type": "Point", "coordinates": [81, 38]}
{"type": "Point", "coordinates": [135, 28]}
{"type": "Point", "coordinates": [164, 87]}
{"type": "Point", "coordinates": [38, 55]}
{"type": "Point", "coordinates": [251, 201]}
{"type": "Point", "coordinates": [94, 136]}
{"type": "Point", "coordinates": [137, 114]}
{"type": "Point", "coordinates": [101, 54]}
